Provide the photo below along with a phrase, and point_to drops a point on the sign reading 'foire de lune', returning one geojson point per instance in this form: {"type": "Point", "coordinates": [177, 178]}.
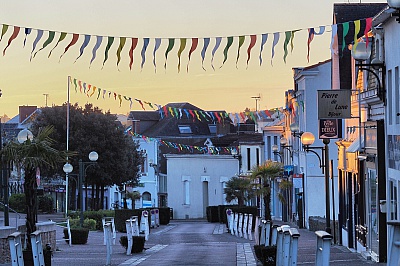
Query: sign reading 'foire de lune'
{"type": "Point", "coordinates": [334, 104]}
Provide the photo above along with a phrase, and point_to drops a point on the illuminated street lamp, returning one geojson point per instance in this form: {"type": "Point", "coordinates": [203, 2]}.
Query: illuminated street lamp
{"type": "Point", "coordinates": [307, 139]}
{"type": "Point", "coordinates": [67, 168]}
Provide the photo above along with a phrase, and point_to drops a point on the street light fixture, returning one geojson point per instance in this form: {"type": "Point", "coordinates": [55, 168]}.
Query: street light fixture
{"type": "Point", "coordinates": [295, 130]}
{"type": "Point", "coordinates": [93, 156]}
{"type": "Point", "coordinates": [67, 168]}
{"type": "Point", "coordinates": [235, 153]}
{"type": "Point", "coordinates": [307, 139]}
{"type": "Point", "coordinates": [396, 5]}
{"type": "Point", "coordinates": [362, 52]}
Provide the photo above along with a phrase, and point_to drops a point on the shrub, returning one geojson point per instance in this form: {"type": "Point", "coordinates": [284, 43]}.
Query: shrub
{"type": "Point", "coordinates": [98, 216]}
{"type": "Point", "coordinates": [165, 215]}
{"type": "Point", "coordinates": [17, 202]}
{"type": "Point", "coordinates": [79, 235]}
{"type": "Point", "coordinates": [138, 243]}
{"type": "Point", "coordinates": [87, 223]}
{"type": "Point", "coordinates": [45, 203]}
{"type": "Point", "coordinates": [266, 254]}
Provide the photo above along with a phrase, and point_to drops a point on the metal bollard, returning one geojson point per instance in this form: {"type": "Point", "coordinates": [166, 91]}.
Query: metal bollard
{"type": "Point", "coordinates": [229, 218]}
{"type": "Point", "coordinates": [108, 229]}
{"type": "Point", "coordinates": [129, 229]}
{"type": "Point", "coordinates": [268, 234]}
{"type": "Point", "coordinates": [235, 224]}
{"type": "Point", "coordinates": [114, 233]}
{"type": "Point", "coordinates": [37, 248]}
{"type": "Point", "coordinates": [14, 240]}
{"type": "Point", "coordinates": [250, 227]}
{"type": "Point", "coordinates": [157, 211]}
{"type": "Point", "coordinates": [144, 225]}
{"type": "Point", "coordinates": [245, 224]}
{"type": "Point", "coordinates": [274, 235]}
{"type": "Point", "coordinates": [135, 226]}
{"type": "Point", "coordinates": [279, 242]}
{"type": "Point", "coordinates": [323, 248]}
{"type": "Point", "coordinates": [285, 245]}
{"type": "Point", "coordinates": [294, 245]}
{"type": "Point", "coordinates": [262, 233]}
{"type": "Point", "coordinates": [257, 231]}
{"type": "Point", "coordinates": [152, 218]}
{"type": "Point", "coordinates": [240, 225]}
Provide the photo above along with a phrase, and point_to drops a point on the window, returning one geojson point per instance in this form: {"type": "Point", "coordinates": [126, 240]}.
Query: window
{"type": "Point", "coordinates": [143, 168]}
{"type": "Point", "coordinates": [391, 206]}
{"type": "Point", "coordinates": [390, 96]}
{"type": "Point", "coordinates": [213, 129]}
{"type": "Point", "coordinates": [269, 145]}
{"type": "Point", "coordinates": [248, 159]}
{"type": "Point", "coordinates": [185, 129]}
{"type": "Point", "coordinates": [186, 192]}
{"type": "Point", "coordinates": [146, 196]}
{"type": "Point", "coordinates": [396, 91]}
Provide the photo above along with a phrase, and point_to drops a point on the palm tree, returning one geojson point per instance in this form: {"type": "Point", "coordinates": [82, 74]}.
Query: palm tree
{"type": "Point", "coordinates": [240, 189]}
{"type": "Point", "coordinates": [31, 155]}
{"type": "Point", "coordinates": [266, 174]}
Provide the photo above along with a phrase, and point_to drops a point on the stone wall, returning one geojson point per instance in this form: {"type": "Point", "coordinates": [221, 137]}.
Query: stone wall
{"type": "Point", "coordinates": [5, 231]}
{"type": "Point", "coordinates": [317, 223]}
{"type": "Point", "coordinates": [48, 233]}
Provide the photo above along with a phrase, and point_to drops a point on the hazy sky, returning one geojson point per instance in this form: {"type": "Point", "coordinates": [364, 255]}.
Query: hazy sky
{"type": "Point", "coordinates": [24, 82]}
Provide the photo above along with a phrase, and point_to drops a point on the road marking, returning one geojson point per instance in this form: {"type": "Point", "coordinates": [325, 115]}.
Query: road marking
{"type": "Point", "coordinates": [139, 258]}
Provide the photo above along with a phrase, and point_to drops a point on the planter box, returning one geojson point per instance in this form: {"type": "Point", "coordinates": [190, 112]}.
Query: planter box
{"type": "Point", "coordinates": [79, 235]}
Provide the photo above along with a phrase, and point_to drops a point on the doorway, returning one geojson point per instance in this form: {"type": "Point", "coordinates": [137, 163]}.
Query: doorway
{"type": "Point", "coordinates": [372, 215]}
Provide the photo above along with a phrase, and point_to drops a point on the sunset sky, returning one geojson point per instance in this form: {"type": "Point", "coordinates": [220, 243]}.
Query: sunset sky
{"type": "Point", "coordinates": [230, 88]}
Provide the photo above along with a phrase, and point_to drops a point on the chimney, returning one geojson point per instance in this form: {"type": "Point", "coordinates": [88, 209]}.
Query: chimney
{"type": "Point", "coordinates": [25, 111]}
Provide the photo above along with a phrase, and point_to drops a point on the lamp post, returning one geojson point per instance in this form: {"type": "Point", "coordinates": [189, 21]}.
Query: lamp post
{"type": "Point", "coordinates": [295, 130]}
{"type": "Point", "coordinates": [396, 5]}
{"type": "Point", "coordinates": [67, 168]}
{"type": "Point", "coordinates": [308, 139]}
{"type": "Point", "coordinates": [93, 156]}
{"type": "Point", "coordinates": [4, 179]}
{"type": "Point", "coordinates": [155, 167]}
{"type": "Point", "coordinates": [235, 153]}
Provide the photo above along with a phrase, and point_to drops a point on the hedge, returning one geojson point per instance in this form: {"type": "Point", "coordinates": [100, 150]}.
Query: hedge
{"type": "Point", "coordinates": [122, 215]}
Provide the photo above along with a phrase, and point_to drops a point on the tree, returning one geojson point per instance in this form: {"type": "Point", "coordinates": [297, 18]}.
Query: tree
{"type": "Point", "coordinates": [93, 130]}
{"type": "Point", "coordinates": [266, 174]}
{"type": "Point", "coordinates": [240, 189]}
{"type": "Point", "coordinates": [31, 155]}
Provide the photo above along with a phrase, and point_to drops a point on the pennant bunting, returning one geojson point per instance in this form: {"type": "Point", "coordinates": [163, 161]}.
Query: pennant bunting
{"type": "Point", "coordinates": [60, 39]}
{"type": "Point", "coordinates": [122, 41]}
{"type": "Point", "coordinates": [216, 46]}
{"type": "Point", "coordinates": [228, 45]}
{"type": "Point", "coordinates": [3, 31]}
{"type": "Point", "coordinates": [75, 38]}
{"type": "Point", "coordinates": [181, 48]}
{"type": "Point", "coordinates": [274, 43]}
{"type": "Point", "coordinates": [171, 43]}
{"type": "Point", "coordinates": [333, 38]}
{"type": "Point", "coordinates": [143, 53]}
{"type": "Point", "coordinates": [241, 42]}
{"type": "Point", "coordinates": [356, 32]}
{"type": "Point", "coordinates": [253, 40]}
{"type": "Point", "coordinates": [368, 25]}
{"type": "Point", "coordinates": [85, 43]}
{"type": "Point", "coordinates": [12, 37]}
{"type": "Point", "coordinates": [110, 41]}
{"type": "Point", "coordinates": [50, 38]}
{"type": "Point", "coordinates": [345, 31]}
{"type": "Point", "coordinates": [195, 42]}
{"type": "Point", "coordinates": [288, 36]}
{"type": "Point", "coordinates": [206, 42]}
{"type": "Point", "coordinates": [264, 39]}
{"type": "Point", "coordinates": [309, 40]}
{"type": "Point", "coordinates": [292, 39]}
{"type": "Point", "coordinates": [157, 45]}
{"type": "Point", "coordinates": [38, 37]}
{"type": "Point", "coordinates": [321, 30]}
{"type": "Point", "coordinates": [99, 40]}
{"type": "Point", "coordinates": [133, 46]}
{"type": "Point", "coordinates": [27, 32]}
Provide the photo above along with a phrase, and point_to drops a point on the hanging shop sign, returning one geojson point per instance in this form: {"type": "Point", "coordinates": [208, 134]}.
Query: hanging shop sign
{"type": "Point", "coordinates": [334, 104]}
{"type": "Point", "coordinates": [330, 128]}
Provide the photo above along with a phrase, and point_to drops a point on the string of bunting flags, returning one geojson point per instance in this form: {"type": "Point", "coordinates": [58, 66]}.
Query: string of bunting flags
{"type": "Point", "coordinates": [184, 147]}
{"type": "Point", "coordinates": [57, 38]}
{"type": "Point", "coordinates": [179, 113]}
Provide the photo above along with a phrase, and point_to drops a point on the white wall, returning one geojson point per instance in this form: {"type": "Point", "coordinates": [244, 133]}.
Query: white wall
{"type": "Point", "coordinates": [197, 170]}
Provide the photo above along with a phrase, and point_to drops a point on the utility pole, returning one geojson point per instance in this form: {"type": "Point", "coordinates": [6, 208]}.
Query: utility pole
{"type": "Point", "coordinates": [46, 95]}
{"type": "Point", "coordinates": [257, 98]}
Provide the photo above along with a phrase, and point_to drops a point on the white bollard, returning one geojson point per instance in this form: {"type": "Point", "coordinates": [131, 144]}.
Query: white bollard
{"type": "Point", "coordinates": [229, 219]}
{"type": "Point", "coordinates": [268, 233]}
{"type": "Point", "coordinates": [235, 224]}
{"type": "Point", "coordinates": [114, 233]}
{"type": "Point", "coordinates": [153, 218]}
{"type": "Point", "coordinates": [250, 227]}
{"type": "Point", "coordinates": [240, 225]}
{"type": "Point", "coordinates": [274, 235]}
{"type": "Point", "coordinates": [279, 248]}
{"type": "Point", "coordinates": [294, 245]}
{"type": "Point", "coordinates": [109, 236]}
{"type": "Point", "coordinates": [257, 231]}
{"type": "Point", "coordinates": [14, 240]}
{"type": "Point", "coordinates": [144, 225]}
{"type": "Point", "coordinates": [245, 224]}
{"type": "Point", "coordinates": [323, 248]}
{"type": "Point", "coordinates": [285, 245]}
{"type": "Point", "coordinates": [129, 236]}
{"type": "Point", "coordinates": [157, 211]}
{"type": "Point", "coordinates": [135, 226]}
{"type": "Point", "coordinates": [37, 248]}
{"type": "Point", "coordinates": [262, 234]}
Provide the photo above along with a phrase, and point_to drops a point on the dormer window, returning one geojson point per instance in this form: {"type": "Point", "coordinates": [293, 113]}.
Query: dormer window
{"type": "Point", "coordinates": [185, 129]}
{"type": "Point", "coordinates": [212, 128]}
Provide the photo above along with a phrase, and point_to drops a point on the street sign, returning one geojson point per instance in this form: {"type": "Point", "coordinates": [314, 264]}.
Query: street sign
{"type": "Point", "coordinates": [330, 128]}
{"type": "Point", "coordinates": [334, 104]}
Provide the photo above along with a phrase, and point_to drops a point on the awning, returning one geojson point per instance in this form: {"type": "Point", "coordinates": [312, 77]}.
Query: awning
{"type": "Point", "coordinates": [355, 146]}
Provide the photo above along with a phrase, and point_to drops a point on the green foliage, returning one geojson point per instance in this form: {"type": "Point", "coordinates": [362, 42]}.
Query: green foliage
{"type": "Point", "coordinates": [266, 254]}
{"type": "Point", "coordinates": [17, 202]}
{"type": "Point", "coordinates": [93, 130]}
{"type": "Point", "coordinates": [266, 174]}
{"type": "Point", "coordinates": [79, 235]}
{"type": "Point", "coordinates": [45, 203]}
{"type": "Point", "coordinates": [240, 189]}
{"type": "Point", "coordinates": [97, 216]}
{"type": "Point", "coordinates": [87, 223]}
